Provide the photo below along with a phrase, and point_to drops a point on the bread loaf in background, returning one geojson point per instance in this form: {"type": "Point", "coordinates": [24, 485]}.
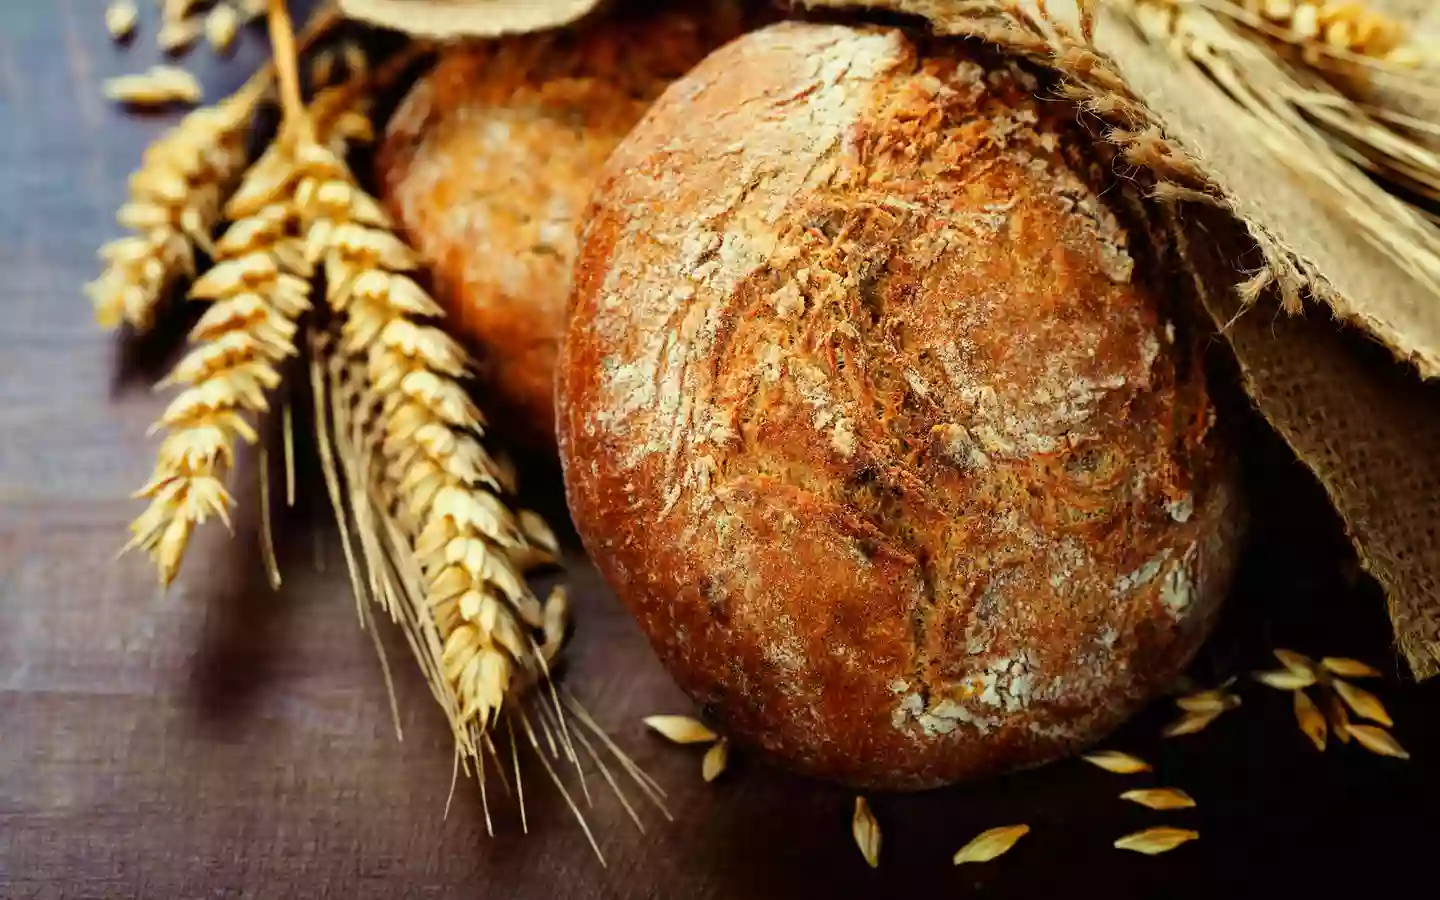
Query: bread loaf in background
{"type": "Point", "coordinates": [873, 413]}
{"type": "Point", "coordinates": [487, 165]}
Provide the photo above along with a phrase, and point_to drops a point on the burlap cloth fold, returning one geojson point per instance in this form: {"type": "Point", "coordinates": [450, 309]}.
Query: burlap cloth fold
{"type": "Point", "coordinates": [1346, 379]}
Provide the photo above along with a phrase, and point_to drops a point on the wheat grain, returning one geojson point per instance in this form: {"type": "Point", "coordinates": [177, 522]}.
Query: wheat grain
{"type": "Point", "coordinates": [1286, 680]}
{"type": "Point", "coordinates": [866, 832]}
{"type": "Point", "coordinates": [987, 845]}
{"type": "Point", "coordinates": [681, 729]}
{"type": "Point", "coordinates": [1156, 840]}
{"type": "Point", "coordinates": [121, 17]}
{"type": "Point", "coordinates": [184, 179]}
{"type": "Point", "coordinates": [1348, 668]}
{"type": "Point", "coordinates": [1378, 740]}
{"type": "Point", "coordinates": [1117, 762]}
{"type": "Point", "coordinates": [1297, 663]}
{"type": "Point", "coordinates": [157, 86]}
{"type": "Point", "coordinates": [221, 25]}
{"type": "Point", "coordinates": [1160, 798]}
{"type": "Point", "coordinates": [259, 289]}
{"type": "Point", "coordinates": [1310, 719]}
{"type": "Point", "coordinates": [1322, 25]}
{"type": "Point", "coordinates": [1191, 723]}
{"type": "Point", "coordinates": [1365, 704]}
{"type": "Point", "coordinates": [1214, 700]}
{"type": "Point", "coordinates": [443, 486]}
{"type": "Point", "coordinates": [322, 68]}
{"type": "Point", "coordinates": [715, 760]}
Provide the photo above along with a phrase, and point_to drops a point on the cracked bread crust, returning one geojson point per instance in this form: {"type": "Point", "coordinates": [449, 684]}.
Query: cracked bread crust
{"type": "Point", "coordinates": [870, 416]}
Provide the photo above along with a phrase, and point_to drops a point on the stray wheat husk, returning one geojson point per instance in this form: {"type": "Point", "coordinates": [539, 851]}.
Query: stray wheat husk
{"type": "Point", "coordinates": [1117, 762]}
{"type": "Point", "coordinates": [989, 844]}
{"type": "Point", "coordinates": [1285, 679]}
{"type": "Point", "coordinates": [1156, 840]}
{"type": "Point", "coordinates": [121, 17]}
{"type": "Point", "coordinates": [681, 729]}
{"type": "Point", "coordinates": [221, 25]}
{"type": "Point", "coordinates": [1191, 723]}
{"type": "Point", "coordinates": [1348, 668]}
{"type": "Point", "coordinates": [1378, 740]}
{"type": "Point", "coordinates": [1365, 704]}
{"type": "Point", "coordinates": [1311, 721]}
{"type": "Point", "coordinates": [715, 760]}
{"type": "Point", "coordinates": [1160, 798]}
{"type": "Point", "coordinates": [158, 86]}
{"type": "Point", "coordinates": [867, 832]}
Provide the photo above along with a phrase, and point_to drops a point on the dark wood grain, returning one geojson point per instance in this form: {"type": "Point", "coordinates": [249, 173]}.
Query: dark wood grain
{"type": "Point", "coordinates": [227, 741]}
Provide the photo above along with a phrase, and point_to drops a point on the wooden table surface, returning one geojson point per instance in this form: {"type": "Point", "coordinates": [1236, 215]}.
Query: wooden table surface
{"type": "Point", "coordinates": [224, 740]}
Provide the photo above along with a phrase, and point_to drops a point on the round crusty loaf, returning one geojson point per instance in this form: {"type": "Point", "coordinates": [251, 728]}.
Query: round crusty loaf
{"type": "Point", "coordinates": [870, 415]}
{"type": "Point", "coordinates": [487, 165]}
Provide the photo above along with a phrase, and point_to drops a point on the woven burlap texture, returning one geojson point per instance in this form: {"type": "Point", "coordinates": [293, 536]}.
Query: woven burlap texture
{"type": "Point", "coordinates": [1364, 423]}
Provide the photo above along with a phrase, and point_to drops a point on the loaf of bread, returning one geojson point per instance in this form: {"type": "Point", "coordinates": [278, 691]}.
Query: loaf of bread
{"type": "Point", "coordinates": [487, 165]}
{"type": "Point", "coordinates": [873, 413]}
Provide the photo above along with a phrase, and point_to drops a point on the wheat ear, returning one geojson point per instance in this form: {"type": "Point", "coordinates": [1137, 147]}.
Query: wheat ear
{"type": "Point", "coordinates": [444, 486]}
{"type": "Point", "coordinates": [176, 199]}
{"type": "Point", "coordinates": [413, 485]}
{"type": "Point", "coordinates": [259, 287]}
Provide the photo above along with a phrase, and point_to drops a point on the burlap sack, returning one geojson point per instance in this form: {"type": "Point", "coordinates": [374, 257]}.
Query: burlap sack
{"type": "Point", "coordinates": [1365, 421]}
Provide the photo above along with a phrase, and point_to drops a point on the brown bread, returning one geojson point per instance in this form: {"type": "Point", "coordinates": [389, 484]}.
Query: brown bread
{"type": "Point", "coordinates": [487, 165]}
{"type": "Point", "coordinates": [870, 415]}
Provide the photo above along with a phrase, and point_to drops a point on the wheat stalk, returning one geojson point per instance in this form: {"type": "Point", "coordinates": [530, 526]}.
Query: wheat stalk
{"type": "Point", "coordinates": [427, 531]}
{"type": "Point", "coordinates": [427, 432]}
{"type": "Point", "coordinates": [258, 288]}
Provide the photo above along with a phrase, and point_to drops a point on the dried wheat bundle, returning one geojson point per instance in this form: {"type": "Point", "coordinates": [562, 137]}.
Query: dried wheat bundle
{"type": "Point", "coordinates": [1316, 123]}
